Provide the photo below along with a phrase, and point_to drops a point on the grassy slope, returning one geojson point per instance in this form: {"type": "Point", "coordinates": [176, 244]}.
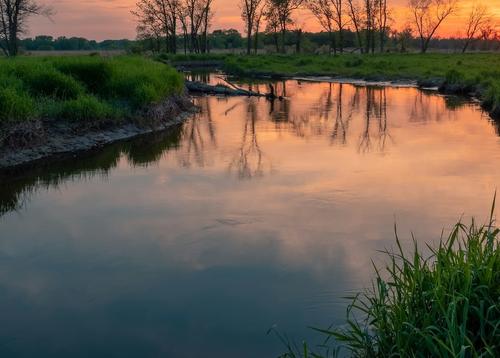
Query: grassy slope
{"type": "Point", "coordinates": [82, 88]}
{"type": "Point", "coordinates": [467, 72]}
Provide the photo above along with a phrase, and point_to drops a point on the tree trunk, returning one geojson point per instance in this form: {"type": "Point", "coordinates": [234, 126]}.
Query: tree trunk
{"type": "Point", "coordinates": [283, 34]}
{"type": "Point", "coordinates": [333, 44]}
{"type": "Point", "coordinates": [174, 37]}
{"type": "Point", "coordinates": [424, 45]}
{"type": "Point", "coordinates": [341, 41]}
{"type": "Point", "coordinates": [467, 42]}
{"type": "Point", "coordinates": [12, 45]}
{"type": "Point", "coordinates": [298, 42]}
{"type": "Point", "coordinates": [256, 41]}
{"type": "Point", "coordinates": [249, 38]}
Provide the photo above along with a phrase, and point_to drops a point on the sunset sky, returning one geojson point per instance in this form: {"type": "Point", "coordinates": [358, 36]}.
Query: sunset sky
{"type": "Point", "coordinates": [111, 19]}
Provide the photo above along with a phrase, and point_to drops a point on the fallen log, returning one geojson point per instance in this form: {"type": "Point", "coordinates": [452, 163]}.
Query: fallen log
{"type": "Point", "coordinates": [220, 89]}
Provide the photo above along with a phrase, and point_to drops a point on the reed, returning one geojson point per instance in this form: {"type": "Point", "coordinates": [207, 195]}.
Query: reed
{"type": "Point", "coordinates": [446, 304]}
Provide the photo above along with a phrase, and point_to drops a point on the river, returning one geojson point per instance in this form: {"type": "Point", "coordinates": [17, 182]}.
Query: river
{"type": "Point", "coordinates": [252, 214]}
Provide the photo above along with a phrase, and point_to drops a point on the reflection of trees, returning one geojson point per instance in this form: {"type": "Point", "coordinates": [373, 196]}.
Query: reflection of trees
{"type": "Point", "coordinates": [496, 125]}
{"type": "Point", "coordinates": [279, 109]}
{"type": "Point", "coordinates": [249, 162]}
{"type": "Point", "coordinates": [420, 110]}
{"type": "Point", "coordinates": [194, 135]}
{"type": "Point", "coordinates": [17, 186]}
{"type": "Point", "coordinates": [149, 149]}
{"type": "Point", "coordinates": [341, 125]}
{"type": "Point", "coordinates": [426, 107]}
{"type": "Point", "coordinates": [331, 113]}
{"type": "Point", "coordinates": [375, 119]}
{"type": "Point", "coordinates": [199, 76]}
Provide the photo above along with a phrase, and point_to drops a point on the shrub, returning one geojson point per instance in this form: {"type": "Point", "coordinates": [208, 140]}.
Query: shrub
{"type": "Point", "coordinates": [94, 73]}
{"type": "Point", "coordinates": [15, 105]}
{"type": "Point", "coordinates": [84, 108]}
{"type": "Point", "coordinates": [48, 82]}
{"type": "Point", "coordinates": [454, 77]}
{"type": "Point", "coordinates": [140, 85]}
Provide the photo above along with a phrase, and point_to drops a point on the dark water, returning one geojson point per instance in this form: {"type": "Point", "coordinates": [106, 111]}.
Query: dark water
{"type": "Point", "coordinates": [253, 214]}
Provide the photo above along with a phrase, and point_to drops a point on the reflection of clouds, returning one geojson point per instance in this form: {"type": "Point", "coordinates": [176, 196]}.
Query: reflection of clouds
{"type": "Point", "coordinates": [250, 161]}
{"type": "Point", "coordinates": [19, 186]}
{"type": "Point", "coordinates": [198, 135]}
{"type": "Point", "coordinates": [170, 257]}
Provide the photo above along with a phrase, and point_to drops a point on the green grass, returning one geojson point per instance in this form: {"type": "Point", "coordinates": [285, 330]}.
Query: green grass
{"type": "Point", "coordinates": [391, 66]}
{"type": "Point", "coordinates": [467, 72]}
{"type": "Point", "coordinates": [446, 304]}
{"type": "Point", "coordinates": [82, 88]}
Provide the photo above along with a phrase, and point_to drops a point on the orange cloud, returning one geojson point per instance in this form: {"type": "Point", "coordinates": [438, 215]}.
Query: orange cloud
{"type": "Point", "coordinates": [111, 19]}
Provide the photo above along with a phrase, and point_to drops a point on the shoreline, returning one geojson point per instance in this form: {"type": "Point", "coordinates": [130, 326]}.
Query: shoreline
{"type": "Point", "coordinates": [439, 85]}
{"type": "Point", "coordinates": [61, 140]}
{"type": "Point", "coordinates": [436, 84]}
{"type": "Point", "coordinates": [469, 75]}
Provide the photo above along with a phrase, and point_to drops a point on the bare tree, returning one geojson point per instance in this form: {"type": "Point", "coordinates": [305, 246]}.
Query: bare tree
{"type": "Point", "coordinates": [323, 12]}
{"type": "Point", "coordinates": [13, 21]}
{"type": "Point", "coordinates": [382, 17]}
{"type": "Point", "coordinates": [370, 24]}
{"type": "Point", "coordinates": [356, 18]}
{"type": "Point", "coordinates": [331, 17]}
{"type": "Point", "coordinates": [158, 18]}
{"type": "Point", "coordinates": [428, 15]}
{"type": "Point", "coordinates": [272, 22]}
{"type": "Point", "coordinates": [195, 17]}
{"type": "Point", "coordinates": [489, 35]}
{"type": "Point", "coordinates": [478, 18]}
{"type": "Point", "coordinates": [250, 13]}
{"type": "Point", "coordinates": [339, 20]}
{"type": "Point", "coordinates": [148, 33]}
{"type": "Point", "coordinates": [403, 38]}
{"type": "Point", "coordinates": [258, 18]}
{"type": "Point", "coordinates": [207, 15]}
{"type": "Point", "coordinates": [282, 10]}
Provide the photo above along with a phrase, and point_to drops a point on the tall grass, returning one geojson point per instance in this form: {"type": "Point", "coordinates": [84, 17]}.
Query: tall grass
{"type": "Point", "coordinates": [443, 305]}
{"type": "Point", "coordinates": [82, 88]}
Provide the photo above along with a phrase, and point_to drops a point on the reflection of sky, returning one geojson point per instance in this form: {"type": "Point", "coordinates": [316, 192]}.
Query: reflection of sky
{"type": "Point", "coordinates": [186, 256]}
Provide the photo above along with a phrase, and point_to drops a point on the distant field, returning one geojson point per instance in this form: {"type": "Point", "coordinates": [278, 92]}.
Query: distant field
{"type": "Point", "coordinates": [74, 53]}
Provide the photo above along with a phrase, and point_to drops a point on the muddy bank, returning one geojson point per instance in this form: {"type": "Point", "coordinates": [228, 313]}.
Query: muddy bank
{"type": "Point", "coordinates": [26, 143]}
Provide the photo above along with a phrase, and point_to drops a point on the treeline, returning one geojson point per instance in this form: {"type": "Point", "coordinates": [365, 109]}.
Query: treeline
{"type": "Point", "coordinates": [315, 42]}
{"type": "Point", "coordinates": [233, 41]}
{"type": "Point", "coordinates": [365, 26]}
{"type": "Point", "coordinates": [49, 43]}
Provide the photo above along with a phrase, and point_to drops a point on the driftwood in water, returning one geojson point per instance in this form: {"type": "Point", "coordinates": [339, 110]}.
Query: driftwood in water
{"type": "Point", "coordinates": [227, 90]}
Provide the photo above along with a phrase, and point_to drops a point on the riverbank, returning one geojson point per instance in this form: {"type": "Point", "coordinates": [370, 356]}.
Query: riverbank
{"type": "Point", "coordinates": [475, 75]}
{"type": "Point", "coordinates": [64, 139]}
{"type": "Point", "coordinates": [54, 106]}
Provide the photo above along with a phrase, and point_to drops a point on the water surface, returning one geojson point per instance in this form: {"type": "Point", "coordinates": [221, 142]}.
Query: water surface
{"type": "Point", "coordinates": [252, 214]}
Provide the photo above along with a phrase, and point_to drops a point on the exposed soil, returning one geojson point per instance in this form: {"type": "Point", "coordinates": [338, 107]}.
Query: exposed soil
{"type": "Point", "coordinates": [24, 143]}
